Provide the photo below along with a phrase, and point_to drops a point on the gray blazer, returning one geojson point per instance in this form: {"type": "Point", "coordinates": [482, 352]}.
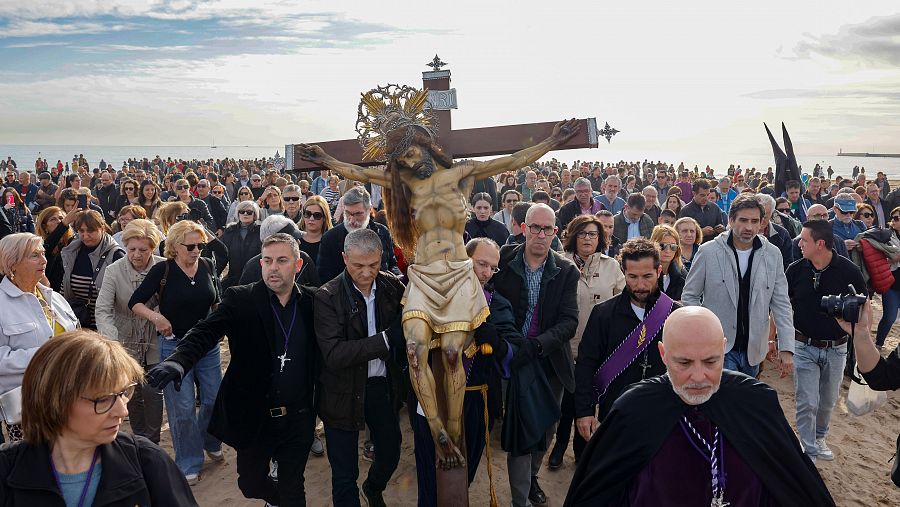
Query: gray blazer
{"type": "Point", "coordinates": [712, 282]}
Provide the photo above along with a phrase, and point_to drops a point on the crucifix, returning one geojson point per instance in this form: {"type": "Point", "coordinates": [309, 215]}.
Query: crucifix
{"type": "Point", "coordinates": [398, 128]}
{"type": "Point", "coordinates": [283, 358]}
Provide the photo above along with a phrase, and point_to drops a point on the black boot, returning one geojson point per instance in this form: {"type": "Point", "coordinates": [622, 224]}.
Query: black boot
{"type": "Point", "coordinates": [536, 495]}
{"type": "Point", "coordinates": [556, 456]}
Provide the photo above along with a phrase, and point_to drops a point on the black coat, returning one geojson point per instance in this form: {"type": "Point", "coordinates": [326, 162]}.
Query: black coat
{"type": "Point", "coordinates": [347, 347]}
{"type": "Point", "coordinates": [245, 316]}
{"type": "Point", "coordinates": [240, 251]}
{"type": "Point", "coordinates": [558, 311]}
{"type": "Point", "coordinates": [677, 277]}
{"type": "Point", "coordinates": [5, 226]}
{"type": "Point", "coordinates": [489, 228]}
{"type": "Point", "coordinates": [567, 213]}
{"type": "Point", "coordinates": [609, 324]}
{"type": "Point", "coordinates": [330, 262]}
{"type": "Point", "coordinates": [217, 210]}
{"type": "Point", "coordinates": [135, 472]}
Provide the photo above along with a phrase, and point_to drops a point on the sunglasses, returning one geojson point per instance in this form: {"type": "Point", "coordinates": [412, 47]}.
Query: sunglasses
{"type": "Point", "coordinates": [106, 403]}
{"type": "Point", "coordinates": [671, 246]}
{"type": "Point", "coordinates": [291, 199]}
{"type": "Point", "coordinates": [244, 212]}
{"type": "Point", "coordinates": [191, 246]}
{"type": "Point", "coordinates": [784, 210]}
{"type": "Point", "coordinates": [868, 215]}
{"type": "Point", "coordinates": [217, 192]}
{"type": "Point", "coordinates": [894, 218]}
{"type": "Point", "coordinates": [318, 215]}
{"type": "Point", "coordinates": [181, 187]}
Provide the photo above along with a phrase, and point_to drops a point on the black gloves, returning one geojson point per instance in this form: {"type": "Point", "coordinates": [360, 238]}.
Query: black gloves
{"type": "Point", "coordinates": [167, 371]}
{"type": "Point", "coordinates": [487, 333]}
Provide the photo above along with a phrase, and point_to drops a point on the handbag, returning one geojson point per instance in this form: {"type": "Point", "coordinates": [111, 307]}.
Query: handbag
{"type": "Point", "coordinates": [82, 307]}
{"type": "Point", "coordinates": [11, 406]}
{"type": "Point", "coordinates": [862, 399]}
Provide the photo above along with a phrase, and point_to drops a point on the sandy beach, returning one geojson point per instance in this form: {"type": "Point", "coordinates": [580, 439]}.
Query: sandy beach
{"type": "Point", "coordinates": [858, 476]}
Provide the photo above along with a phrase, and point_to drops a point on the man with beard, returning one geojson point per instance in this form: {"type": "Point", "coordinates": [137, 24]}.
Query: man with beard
{"type": "Point", "coordinates": [264, 408]}
{"type": "Point", "coordinates": [697, 435]}
{"type": "Point", "coordinates": [617, 348]}
{"type": "Point", "coordinates": [357, 215]}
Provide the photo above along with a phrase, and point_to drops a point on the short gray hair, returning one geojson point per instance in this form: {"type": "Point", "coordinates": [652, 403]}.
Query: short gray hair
{"type": "Point", "coordinates": [610, 178]}
{"type": "Point", "coordinates": [766, 200]}
{"type": "Point", "coordinates": [273, 224]}
{"type": "Point", "coordinates": [582, 182]}
{"type": "Point", "coordinates": [15, 247]}
{"type": "Point", "coordinates": [363, 240]}
{"type": "Point", "coordinates": [241, 206]}
{"type": "Point", "coordinates": [291, 188]}
{"type": "Point", "coordinates": [357, 195]}
{"type": "Point", "coordinates": [286, 239]}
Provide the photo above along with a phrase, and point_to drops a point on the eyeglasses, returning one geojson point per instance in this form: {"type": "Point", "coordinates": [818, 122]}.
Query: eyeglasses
{"type": "Point", "coordinates": [548, 230]}
{"type": "Point", "coordinates": [191, 246]}
{"type": "Point", "coordinates": [586, 234]}
{"type": "Point", "coordinates": [784, 210]}
{"type": "Point", "coordinates": [218, 192]}
{"type": "Point", "coordinates": [292, 198]}
{"type": "Point", "coordinates": [244, 212]}
{"type": "Point", "coordinates": [317, 215]}
{"type": "Point", "coordinates": [181, 187]}
{"type": "Point", "coordinates": [485, 265]}
{"type": "Point", "coordinates": [894, 218]}
{"type": "Point", "coordinates": [673, 247]}
{"type": "Point", "coordinates": [867, 215]}
{"type": "Point", "coordinates": [104, 404]}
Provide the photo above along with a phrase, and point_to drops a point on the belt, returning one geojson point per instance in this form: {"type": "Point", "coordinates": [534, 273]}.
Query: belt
{"type": "Point", "coordinates": [283, 411]}
{"type": "Point", "coordinates": [821, 344]}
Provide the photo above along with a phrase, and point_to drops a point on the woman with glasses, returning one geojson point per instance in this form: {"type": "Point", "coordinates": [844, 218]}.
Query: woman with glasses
{"type": "Point", "coordinates": [243, 241]}
{"type": "Point", "coordinates": [185, 297]}
{"type": "Point", "coordinates": [30, 312]}
{"type": "Point", "coordinates": [196, 206]}
{"type": "Point", "coordinates": [218, 191]}
{"type": "Point", "coordinates": [316, 222]}
{"type": "Point", "coordinates": [866, 214]}
{"type": "Point", "coordinates": [674, 275]}
{"type": "Point", "coordinates": [116, 321]}
{"type": "Point", "coordinates": [149, 197]}
{"type": "Point", "coordinates": [504, 216]}
{"type": "Point", "coordinates": [601, 278]}
{"type": "Point", "coordinates": [293, 203]}
{"type": "Point", "coordinates": [890, 300]}
{"type": "Point", "coordinates": [19, 216]}
{"type": "Point", "coordinates": [126, 215]}
{"type": "Point", "coordinates": [129, 194]}
{"type": "Point", "coordinates": [690, 237]}
{"type": "Point", "coordinates": [74, 396]}
{"type": "Point", "coordinates": [243, 194]}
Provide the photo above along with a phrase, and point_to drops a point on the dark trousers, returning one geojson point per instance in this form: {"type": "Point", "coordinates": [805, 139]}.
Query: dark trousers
{"type": "Point", "coordinates": [286, 440]}
{"type": "Point", "coordinates": [145, 411]}
{"type": "Point", "coordinates": [564, 429]}
{"type": "Point", "coordinates": [343, 446]}
{"type": "Point", "coordinates": [473, 420]}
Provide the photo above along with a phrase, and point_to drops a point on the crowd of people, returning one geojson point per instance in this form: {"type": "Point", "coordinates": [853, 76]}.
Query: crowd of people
{"type": "Point", "coordinates": [110, 274]}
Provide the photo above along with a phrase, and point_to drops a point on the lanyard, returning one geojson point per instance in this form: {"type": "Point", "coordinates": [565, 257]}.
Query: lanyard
{"type": "Point", "coordinates": [87, 481]}
{"type": "Point", "coordinates": [286, 332]}
{"type": "Point", "coordinates": [716, 459]}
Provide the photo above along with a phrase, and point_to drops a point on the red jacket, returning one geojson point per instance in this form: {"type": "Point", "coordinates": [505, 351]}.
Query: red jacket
{"type": "Point", "coordinates": [879, 267]}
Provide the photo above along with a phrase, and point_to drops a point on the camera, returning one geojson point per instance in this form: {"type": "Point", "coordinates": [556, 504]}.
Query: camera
{"type": "Point", "coordinates": [845, 306]}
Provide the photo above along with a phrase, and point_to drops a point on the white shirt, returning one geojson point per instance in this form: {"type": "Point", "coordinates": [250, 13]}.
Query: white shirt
{"type": "Point", "coordinates": [377, 368]}
{"type": "Point", "coordinates": [743, 259]}
{"type": "Point", "coordinates": [638, 311]}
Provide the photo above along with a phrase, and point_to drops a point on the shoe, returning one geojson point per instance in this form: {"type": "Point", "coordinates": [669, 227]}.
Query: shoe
{"type": "Point", "coordinates": [217, 456]}
{"type": "Point", "coordinates": [270, 505]}
{"type": "Point", "coordinates": [556, 457]}
{"type": "Point", "coordinates": [318, 448]}
{"type": "Point", "coordinates": [273, 470]}
{"type": "Point", "coordinates": [369, 452]}
{"type": "Point", "coordinates": [192, 479]}
{"type": "Point", "coordinates": [825, 453]}
{"type": "Point", "coordinates": [373, 498]}
{"type": "Point", "coordinates": [536, 494]}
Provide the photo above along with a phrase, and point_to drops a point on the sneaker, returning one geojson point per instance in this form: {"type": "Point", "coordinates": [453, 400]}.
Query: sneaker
{"type": "Point", "coordinates": [318, 448]}
{"type": "Point", "coordinates": [192, 479]}
{"type": "Point", "coordinates": [373, 498]}
{"type": "Point", "coordinates": [369, 452]}
{"type": "Point", "coordinates": [824, 452]}
{"type": "Point", "coordinates": [217, 456]}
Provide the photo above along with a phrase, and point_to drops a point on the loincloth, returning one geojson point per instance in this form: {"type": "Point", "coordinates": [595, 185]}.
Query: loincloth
{"type": "Point", "coordinates": [446, 295]}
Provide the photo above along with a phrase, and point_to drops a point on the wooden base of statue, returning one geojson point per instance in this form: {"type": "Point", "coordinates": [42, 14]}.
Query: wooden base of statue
{"type": "Point", "coordinates": [453, 484]}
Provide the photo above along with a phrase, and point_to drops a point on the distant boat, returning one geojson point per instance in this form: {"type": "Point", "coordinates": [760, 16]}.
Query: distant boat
{"type": "Point", "coordinates": [866, 154]}
{"type": "Point", "coordinates": [214, 143]}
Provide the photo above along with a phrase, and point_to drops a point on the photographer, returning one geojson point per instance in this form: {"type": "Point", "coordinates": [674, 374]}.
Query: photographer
{"type": "Point", "coordinates": [881, 373]}
{"type": "Point", "coordinates": [821, 344]}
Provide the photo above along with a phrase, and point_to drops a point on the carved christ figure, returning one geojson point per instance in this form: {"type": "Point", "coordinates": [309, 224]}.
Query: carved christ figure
{"type": "Point", "coordinates": [425, 195]}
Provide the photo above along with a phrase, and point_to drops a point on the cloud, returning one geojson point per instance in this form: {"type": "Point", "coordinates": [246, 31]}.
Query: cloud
{"type": "Point", "coordinates": [875, 42]}
{"type": "Point", "coordinates": [26, 45]}
{"type": "Point", "coordinates": [20, 28]}
{"type": "Point", "coordinates": [129, 47]}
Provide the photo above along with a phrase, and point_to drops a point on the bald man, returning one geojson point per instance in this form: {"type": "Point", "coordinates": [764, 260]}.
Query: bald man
{"type": "Point", "coordinates": [696, 435]}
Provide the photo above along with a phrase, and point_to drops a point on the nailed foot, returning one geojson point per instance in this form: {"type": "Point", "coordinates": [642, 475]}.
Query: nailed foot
{"type": "Point", "coordinates": [448, 455]}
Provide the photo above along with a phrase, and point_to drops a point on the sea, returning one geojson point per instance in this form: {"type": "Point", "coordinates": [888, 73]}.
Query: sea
{"type": "Point", "coordinates": [25, 155]}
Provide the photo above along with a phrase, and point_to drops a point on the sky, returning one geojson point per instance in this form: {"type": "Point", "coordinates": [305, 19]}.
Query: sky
{"type": "Point", "coordinates": [692, 79]}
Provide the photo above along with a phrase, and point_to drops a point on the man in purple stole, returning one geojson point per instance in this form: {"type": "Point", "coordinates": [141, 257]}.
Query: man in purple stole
{"type": "Point", "coordinates": [697, 435]}
{"type": "Point", "coordinates": [612, 346]}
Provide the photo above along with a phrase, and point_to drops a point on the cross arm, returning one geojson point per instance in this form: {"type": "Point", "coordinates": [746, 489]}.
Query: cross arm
{"type": "Point", "coordinates": [316, 155]}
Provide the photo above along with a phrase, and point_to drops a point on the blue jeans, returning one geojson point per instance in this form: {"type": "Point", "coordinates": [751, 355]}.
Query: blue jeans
{"type": "Point", "coordinates": [890, 302]}
{"type": "Point", "coordinates": [189, 436]}
{"type": "Point", "coordinates": [736, 360]}
{"type": "Point", "coordinates": [817, 381]}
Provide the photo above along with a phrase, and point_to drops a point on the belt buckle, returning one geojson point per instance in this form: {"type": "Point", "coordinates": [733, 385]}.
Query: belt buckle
{"type": "Point", "coordinates": [278, 412]}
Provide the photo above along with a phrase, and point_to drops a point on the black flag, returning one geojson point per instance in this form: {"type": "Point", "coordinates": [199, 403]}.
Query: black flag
{"type": "Point", "coordinates": [785, 165]}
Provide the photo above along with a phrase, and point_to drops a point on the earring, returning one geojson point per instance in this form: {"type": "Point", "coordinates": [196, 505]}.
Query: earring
{"type": "Point", "coordinates": [12, 276]}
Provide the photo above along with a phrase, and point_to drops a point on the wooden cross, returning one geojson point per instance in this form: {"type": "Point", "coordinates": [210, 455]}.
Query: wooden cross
{"type": "Point", "coordinates": [463, 143]}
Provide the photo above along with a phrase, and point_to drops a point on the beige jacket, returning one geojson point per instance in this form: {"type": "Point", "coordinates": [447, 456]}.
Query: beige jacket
{"type": "Point", "coordinates": [600, 280]}
{"type": "Point", "coordinates": [115, 320]}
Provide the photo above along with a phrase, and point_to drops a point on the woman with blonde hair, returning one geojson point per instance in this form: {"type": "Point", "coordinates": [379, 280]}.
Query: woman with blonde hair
{"type": "Point", "coordinates": [168, 214]}
{"type": "Point", "coordinates": [53, 228]}
{"type": "Point", "coordinates": [690, 237]}
{"type": "Point", "coordinates": [197, 206]}
{"type": "Point", "coordinates": [74, 396]}
{"type": "Point", "coordinates": [186, 286]}
{"type": "Point", "coordinates": [673, 274]}
{"type": "Point", "coordinates": [116, 321]}
{"type": "Point", "coordinates": [270, 202]}
{"type": "Point", "coordinates": [30, 312]}
{"type": "Point", "coordinates": [316, 221]}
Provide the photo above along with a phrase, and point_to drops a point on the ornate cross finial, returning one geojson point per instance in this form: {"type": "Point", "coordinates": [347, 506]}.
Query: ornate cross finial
{"type": "Point", "coordinates": [608, 132]}
{"type": "Point", "coordinates": [436, 64]}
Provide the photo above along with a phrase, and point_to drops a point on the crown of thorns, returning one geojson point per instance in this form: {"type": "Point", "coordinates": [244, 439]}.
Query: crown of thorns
{"type": "Point", "coordinates": [386, 109]}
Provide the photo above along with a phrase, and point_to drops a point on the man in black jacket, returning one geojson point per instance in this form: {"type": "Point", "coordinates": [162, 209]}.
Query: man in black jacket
{"type": "Point", "coordinates": [358, 329]}
{"type": "Point", "coordinates": [541, 286]}
{"type": "Point", "coordinates": [264, 409]}
{"type": "Point", "coordinates": [357, 214]}
{"type": "Point", "coordinates": [108, 196]}
{"type": "Point", "coordinates": [216, 206]}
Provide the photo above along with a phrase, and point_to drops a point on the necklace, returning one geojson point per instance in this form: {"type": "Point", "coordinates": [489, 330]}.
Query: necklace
{"type": "Point", "coordinates": [286, 332]}
{"type": "Point", "coordinates": [714, 454]}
